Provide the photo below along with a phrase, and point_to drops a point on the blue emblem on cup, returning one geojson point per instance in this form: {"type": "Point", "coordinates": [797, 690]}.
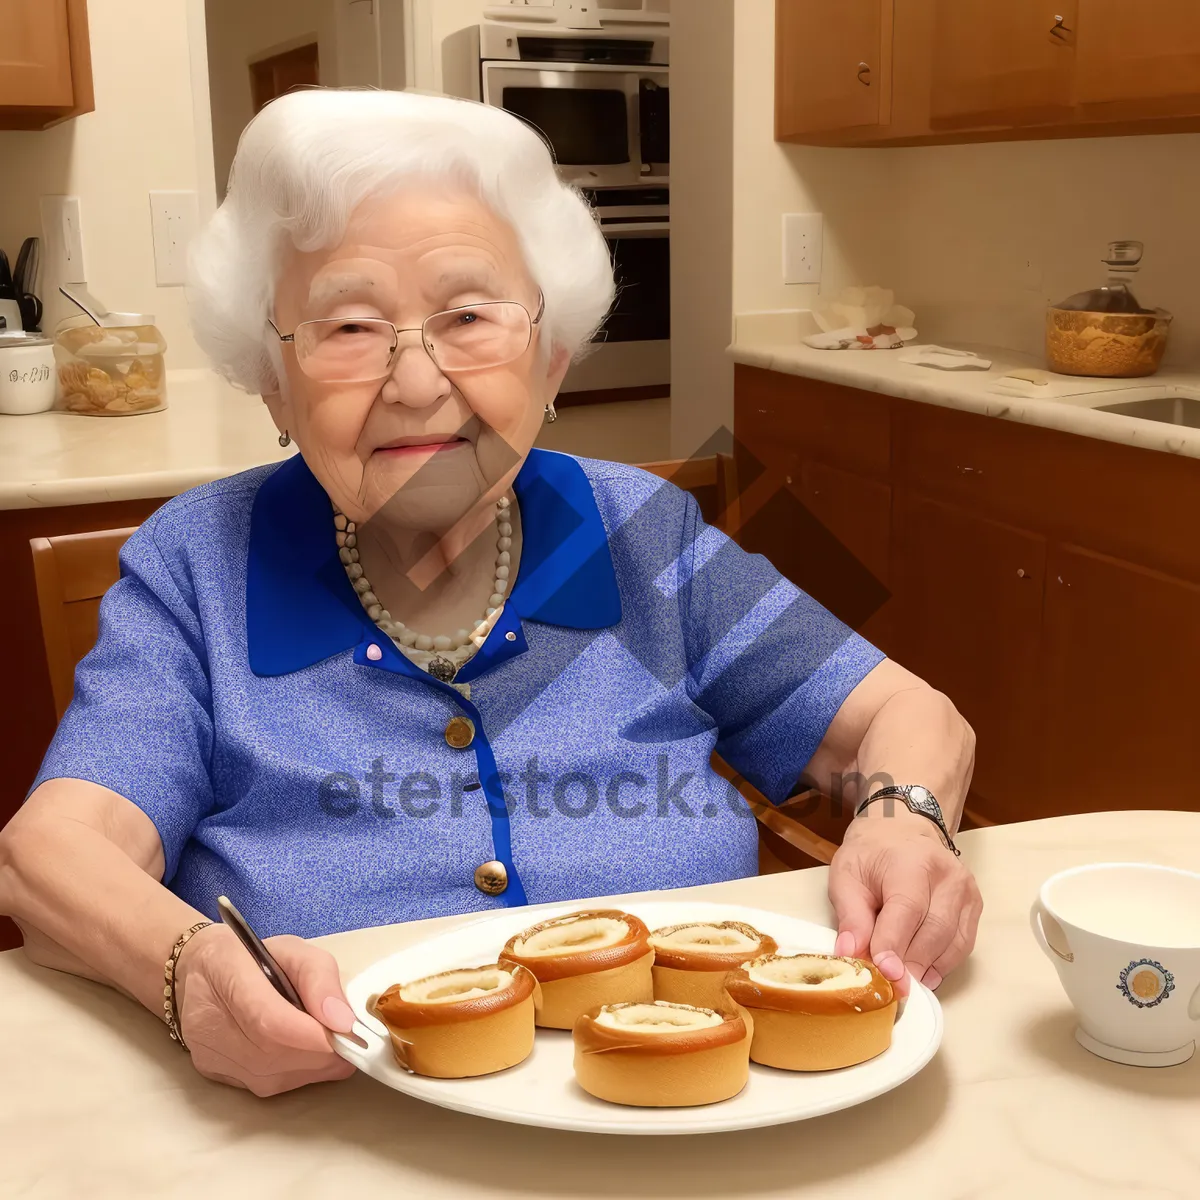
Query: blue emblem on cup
{"type": "Point", "coordinates": [1146, 983]}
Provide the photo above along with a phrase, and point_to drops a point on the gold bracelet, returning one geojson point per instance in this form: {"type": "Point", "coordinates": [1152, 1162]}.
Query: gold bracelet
{"type": "Point", "coordinates": [170, 1009]}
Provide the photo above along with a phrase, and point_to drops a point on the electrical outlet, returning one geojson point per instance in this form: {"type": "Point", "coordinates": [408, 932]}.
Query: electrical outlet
{"type": "Point", "coordinates": [62, 229]}
{"type": "Point", "coordinates": [174, 217]}
{"type": "Point", "coordinates": [803, 235]}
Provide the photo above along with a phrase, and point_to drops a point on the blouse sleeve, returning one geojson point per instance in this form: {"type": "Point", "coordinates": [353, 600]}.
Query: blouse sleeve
{"type": "Point", "coordinates": [140, 722]}
{"type": "Point", "coordinates": [768, 663]}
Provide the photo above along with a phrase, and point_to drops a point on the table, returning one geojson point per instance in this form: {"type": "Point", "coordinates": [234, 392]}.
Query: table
{"type": "Point", "coordinates": [95, 1101]}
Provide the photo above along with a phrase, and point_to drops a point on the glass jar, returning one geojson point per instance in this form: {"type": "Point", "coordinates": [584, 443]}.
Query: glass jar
{"type": "Point", "coordinates": [111, 370]}
{"type": "Point", "coordinates": [1106, 333]}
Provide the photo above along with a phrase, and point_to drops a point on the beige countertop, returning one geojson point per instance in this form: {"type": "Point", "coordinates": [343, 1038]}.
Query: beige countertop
{"type": "Point", "coordinates": [207, 431]}
{"type": "Point", "coordinates": [773, 341]}
{"type": "Point", "coordinates": [97, 1102]}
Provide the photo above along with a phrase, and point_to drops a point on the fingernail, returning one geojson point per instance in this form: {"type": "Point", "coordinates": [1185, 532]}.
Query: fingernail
{"type": "Point", "coordinates": [890, 966]}
{"type": "Point", "coordinates": [844, 944]}
{"type": "Point", "coordinates": [933, 979]}
{"type": "Point", "coordinates": [339, 1016]}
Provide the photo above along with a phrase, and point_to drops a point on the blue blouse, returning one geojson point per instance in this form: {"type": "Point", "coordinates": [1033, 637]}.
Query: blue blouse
{"type": "Point", "coordinates": [230, 696]}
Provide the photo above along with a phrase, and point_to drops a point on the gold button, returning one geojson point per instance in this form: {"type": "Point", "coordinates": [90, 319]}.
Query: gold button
{"type": "Point", "coordinates": [460, 732]}
{"type": "Point", "coordinates": [491, 878]}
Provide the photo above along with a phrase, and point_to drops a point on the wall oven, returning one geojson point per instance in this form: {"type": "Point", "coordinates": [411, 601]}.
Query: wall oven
{"type": "Point", "coordinates": [600, 99]}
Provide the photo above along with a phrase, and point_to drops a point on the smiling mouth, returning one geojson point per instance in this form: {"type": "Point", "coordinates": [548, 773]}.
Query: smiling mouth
{"type": "Point", "coordinates": [435, 444]}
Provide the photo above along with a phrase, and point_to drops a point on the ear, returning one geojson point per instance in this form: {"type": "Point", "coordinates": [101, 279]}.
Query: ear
{"type": "Point", "coordinates": [277, 408]}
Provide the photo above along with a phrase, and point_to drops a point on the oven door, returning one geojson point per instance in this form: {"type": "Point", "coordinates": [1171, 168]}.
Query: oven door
{"type": "Point", "coordinates": [592, 116]}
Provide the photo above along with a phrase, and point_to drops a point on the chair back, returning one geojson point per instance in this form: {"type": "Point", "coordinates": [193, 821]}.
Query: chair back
{"type": "Point", "coordinates": [72, 573]}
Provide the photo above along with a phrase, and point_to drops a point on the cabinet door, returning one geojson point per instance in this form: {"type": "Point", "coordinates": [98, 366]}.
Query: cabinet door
{"type": "Point", "coordinates": [1122, 648]}
{"type": "Point", "coordinates": [35, 54]}
{"type": "Point", "coordinates": [1002, 64]}
{"type": "Point", "coordinates": [970, 599]}
{"type": "Point", "coordinates": [1131, 67]}
{"type": "Point", "coordinates": [858, 512]}
{"type": "Point", "coordinates": [833, 65]}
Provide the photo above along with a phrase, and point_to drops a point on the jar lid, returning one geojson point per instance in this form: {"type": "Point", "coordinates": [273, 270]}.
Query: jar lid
{"type": "Point", "coordinates": [115, 320]}
{"type": "Point", "coordinates": [14, 337]}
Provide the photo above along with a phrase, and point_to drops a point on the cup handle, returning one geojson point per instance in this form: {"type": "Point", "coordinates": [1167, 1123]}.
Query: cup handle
{"type": "Point", "coordinates": [1039, 921]}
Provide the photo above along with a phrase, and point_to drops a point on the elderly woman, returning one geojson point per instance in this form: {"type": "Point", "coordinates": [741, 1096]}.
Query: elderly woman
{"type": "Point", "coordinates": [422, 668]}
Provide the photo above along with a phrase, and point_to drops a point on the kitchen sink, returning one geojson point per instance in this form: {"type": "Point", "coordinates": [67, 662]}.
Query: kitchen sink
{"type": "Point", "coordinates": [1170, 409]}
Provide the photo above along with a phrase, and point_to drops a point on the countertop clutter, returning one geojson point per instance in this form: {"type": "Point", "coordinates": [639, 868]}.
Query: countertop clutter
{"type": "Point", "coordinates": [1010, 1106]}
{"type": "Point", "coordinates": [1069, 403]}
{"type": "Point", "coordinates": [210, 430]}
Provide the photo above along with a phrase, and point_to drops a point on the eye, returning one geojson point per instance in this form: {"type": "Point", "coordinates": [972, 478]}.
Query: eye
{"type": "Point", "coordinates": [467, 318]}
{"type": "Point", "coordinates": [350, 327]}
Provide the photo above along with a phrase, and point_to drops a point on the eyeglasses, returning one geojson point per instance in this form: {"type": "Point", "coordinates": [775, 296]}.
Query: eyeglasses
{"type": "Point", "coordinates": [361, 349]}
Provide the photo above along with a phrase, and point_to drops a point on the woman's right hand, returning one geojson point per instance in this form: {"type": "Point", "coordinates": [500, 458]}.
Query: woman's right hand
{"type": "Point", "coordinates": [241, 1031]}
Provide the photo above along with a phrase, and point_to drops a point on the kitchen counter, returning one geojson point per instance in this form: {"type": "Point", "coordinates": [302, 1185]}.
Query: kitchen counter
{"type": "Point", "coordinates": [98, 1102]}
{"type": "Point", "coordinates": [208, 430]}
{"type": "Point", "coordinates": [772, 341]}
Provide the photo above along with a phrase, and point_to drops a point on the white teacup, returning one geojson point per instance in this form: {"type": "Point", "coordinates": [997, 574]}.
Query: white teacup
{"type": "Point", "coordinates": [1125, 940]}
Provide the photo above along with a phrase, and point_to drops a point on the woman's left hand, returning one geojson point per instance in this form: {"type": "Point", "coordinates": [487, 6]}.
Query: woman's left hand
{"type": "Point", "coordinates": [903, 899]}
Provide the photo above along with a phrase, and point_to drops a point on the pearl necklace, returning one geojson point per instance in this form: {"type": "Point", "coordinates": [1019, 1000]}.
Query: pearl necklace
{"type": "Point", "coordinates": [445, 652]}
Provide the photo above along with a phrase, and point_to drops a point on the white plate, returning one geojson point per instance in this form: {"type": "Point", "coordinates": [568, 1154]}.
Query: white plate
{"type": "Point", "coordinates": [542, 1090]}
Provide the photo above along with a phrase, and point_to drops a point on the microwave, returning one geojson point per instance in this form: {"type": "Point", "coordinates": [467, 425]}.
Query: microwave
{"type": "Point", "coordinates": [601, 101]}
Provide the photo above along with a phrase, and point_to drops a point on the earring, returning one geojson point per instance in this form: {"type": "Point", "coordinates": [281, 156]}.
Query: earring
{"type": "Point", "coordinates": [551, 415]}
{"type": "Point", "coordinates": [284, 440]}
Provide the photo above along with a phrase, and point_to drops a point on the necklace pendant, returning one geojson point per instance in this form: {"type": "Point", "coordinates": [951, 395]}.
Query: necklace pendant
{"type": "Point", "coordinates": [442, 669]}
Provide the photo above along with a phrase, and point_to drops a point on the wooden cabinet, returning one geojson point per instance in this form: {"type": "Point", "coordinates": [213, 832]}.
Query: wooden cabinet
{"type": "Point", "coordinates": [45, 62]}
{"type": "Point", "coordinates": [1008, 64]}
{"type": "Point", "coordinates": [1039, 578]}
{"type": "Point", "coordinates": [984, 70]}
{"type": "Point", "coordinates": [1122, 657]}
{"type": "Point", "coordinates": [833, 65]}
{"type": "Point", "coordinates": [1148, 67]}
{"type": "Point", "coordinates": [970, 599]}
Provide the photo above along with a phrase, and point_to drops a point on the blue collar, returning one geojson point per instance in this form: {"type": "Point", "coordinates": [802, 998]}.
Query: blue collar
{"type": "Point", "coordinates": [301, 609]}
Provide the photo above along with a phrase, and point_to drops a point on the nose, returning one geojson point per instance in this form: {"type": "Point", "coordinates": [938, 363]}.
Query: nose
{"type": "Point", "coordinates": [416, 380]}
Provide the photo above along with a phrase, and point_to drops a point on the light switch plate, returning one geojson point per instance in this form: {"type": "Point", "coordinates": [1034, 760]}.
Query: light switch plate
{"type": "Point", "coordinates": [62, 229]}
{"type": "Point", "coordinates": [803, 235]}
{"type": "Point", "coordinates": [174, 218]}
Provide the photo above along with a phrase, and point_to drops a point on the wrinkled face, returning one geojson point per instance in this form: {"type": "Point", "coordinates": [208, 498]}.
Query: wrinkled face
{"type": "Point", "coordinates": [422, 445]}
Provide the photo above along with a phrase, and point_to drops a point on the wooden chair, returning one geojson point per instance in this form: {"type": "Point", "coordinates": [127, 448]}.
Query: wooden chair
{"type": "Point", "coordinates": [74, 571]}
{"type": "Point", "coordinates": [784, 842]}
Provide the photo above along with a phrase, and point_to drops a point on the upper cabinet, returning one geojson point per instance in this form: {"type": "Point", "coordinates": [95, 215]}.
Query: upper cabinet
{"type": "Point", "coordinates": [1007, 64]}
{"type": "Point", "coordinates": [984, 70]}
{"type": "Point", "coordinates": [45, 62]}
{"type": "Point", "coordinates": [833, 66]}
{"type": "Point", "coordinates": [1148, 66]}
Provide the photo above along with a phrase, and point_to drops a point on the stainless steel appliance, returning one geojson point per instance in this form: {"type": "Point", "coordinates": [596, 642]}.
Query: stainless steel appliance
{"type": "Point", "coordinates": [600, 97]}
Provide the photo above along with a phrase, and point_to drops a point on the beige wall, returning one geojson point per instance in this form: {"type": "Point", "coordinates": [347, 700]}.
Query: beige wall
{"type": "Point", "coordinates": [140, 138]}
{"type": "Point", "coordinates": [701, 222]}
{"type": "Point", "coordinates": [637, 431]}
{"type": "Point", "coordinates": [978, 239]}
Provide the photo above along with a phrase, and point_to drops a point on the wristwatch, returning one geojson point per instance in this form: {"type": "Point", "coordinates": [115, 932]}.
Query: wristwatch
{"type": "Point", "coordinates": [919, 800]}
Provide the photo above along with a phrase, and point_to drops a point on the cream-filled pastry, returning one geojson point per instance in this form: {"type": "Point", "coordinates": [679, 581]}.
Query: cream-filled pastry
{"type": "Point", "coordinates": [470, 1021]}
{"type": "Point", "coordinates": [814, 1012]}
{"type": "Point", "coordinates": [692, 960]}
{"type": "Point", "coordinates": [661, 1055]}
{"type": "Point", "coordinates": [583, 960]}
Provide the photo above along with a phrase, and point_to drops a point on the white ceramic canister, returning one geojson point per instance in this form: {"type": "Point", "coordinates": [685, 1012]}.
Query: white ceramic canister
{"type": "Point", "coordinates": [27, 374]}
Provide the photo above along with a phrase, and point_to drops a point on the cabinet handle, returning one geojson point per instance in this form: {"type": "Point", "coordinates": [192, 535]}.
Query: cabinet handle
{"type": "Point", "coordinates": [1060, 30]}
{"type": "Point", "coordinates": [864, 74]}
{"type": "Point", "coordinates": [1020, 572]}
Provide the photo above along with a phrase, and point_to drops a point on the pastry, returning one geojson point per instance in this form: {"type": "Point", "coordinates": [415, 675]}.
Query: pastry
{"type": "Point", "coordinates": [692, 960]}
{"type": "Point", "coordinates": [814, 1012]}
{"type": "Point", "coordinates": [661, 1055]}
{"type": "Point", "coordinates": [471, 1021]}
{"type": "Point", "coordinates": [584, 960]}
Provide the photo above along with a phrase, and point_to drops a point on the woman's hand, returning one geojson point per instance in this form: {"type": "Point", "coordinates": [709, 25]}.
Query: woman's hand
{"type": "Point", "coordinates": [241, 1031]}
{"type": "Point", "coordinates": [903, 899]}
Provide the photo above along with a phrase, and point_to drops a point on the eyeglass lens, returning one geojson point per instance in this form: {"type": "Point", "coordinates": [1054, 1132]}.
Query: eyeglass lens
{"type": "Point", "coordinates": [344, 350]}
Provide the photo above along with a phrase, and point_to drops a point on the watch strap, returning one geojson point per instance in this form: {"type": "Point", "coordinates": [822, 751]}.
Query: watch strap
{"type": "Point", "coordinates": [904, 793]}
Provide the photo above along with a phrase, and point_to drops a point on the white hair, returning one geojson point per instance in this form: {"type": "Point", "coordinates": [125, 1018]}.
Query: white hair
{"type": "Point", "coordinates": [311, 157]}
